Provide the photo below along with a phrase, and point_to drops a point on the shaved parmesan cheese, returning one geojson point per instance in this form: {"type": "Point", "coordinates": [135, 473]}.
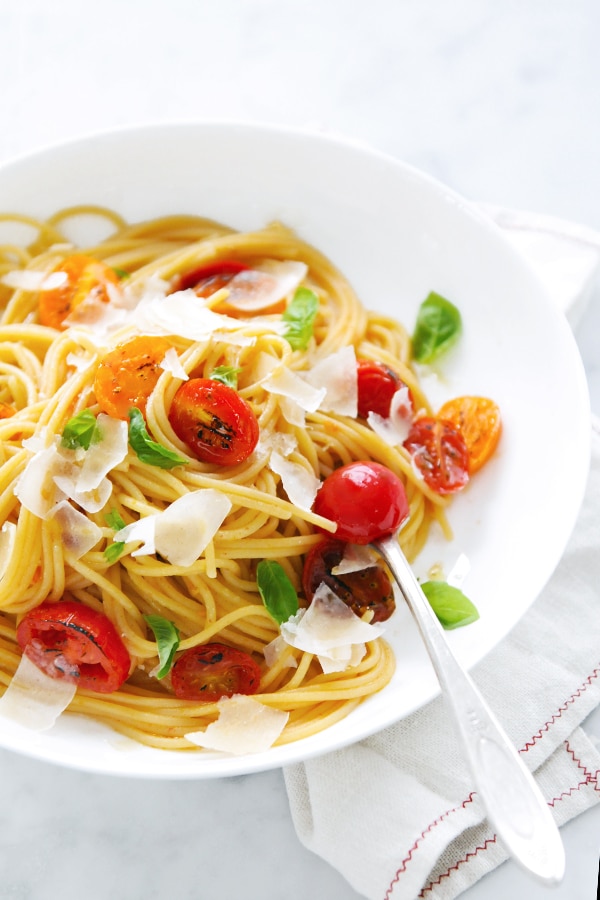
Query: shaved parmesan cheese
{"type": "Point", "coordinates": [33, 699]}
{"type": "Point", "coordinates": [172, 364]}
{"type": "Point", "coordinates": [300, 485]}
{"type": "Point", "coordinates": [395, 429]}
{"type": "Point", "coordinates": [91, 501]}
{"type": "Point", "coordinates": [245, 725]}
{"type": "Point", "coordinates": [330, 630]}
{"type": "Point", "coordinates": [279, 650]}
{"type": "Point", "coordinates": [182, 313]}
{"type": "Point", "coordinates": [31, 280]}
{"type": "Point", "coordinates": [103, 455]}
{"type": "Point", "coordinates": [286, 383]}
{"type": "Point", "coordinates": [265, 285]}
{"type": "Point", "coordinates": [183, 530]}
{"type": "Point", "coordinates": [336, 374]}
{"type": "Point", "coordinates": [355, 559]}
{"type": "Point", "coordinates": [36, 488]}
{"type": "Point", "coordinates": [79, 534]}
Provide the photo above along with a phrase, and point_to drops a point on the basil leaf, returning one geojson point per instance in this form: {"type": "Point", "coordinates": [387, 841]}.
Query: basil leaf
{"type": "Point", "coordinates": [167, 641]}
{"type": "Point", "coordinates": [121, 273]}
{"type": "Point", "coordinates": [113, 551]}
{"type": "Point", "coordinates": [438, 327]}
{"type": "Point", "coordinates": [146, 449]}
{"type": "Point", "coordinates": [113, 520]}
{"type": "Point", "coordinates": [226, 375]}
{"type": "Point", "coordinates": [449, 604]}
{"type": "Point", "coordinates": [276, 590]}
{"type": "Point", "coordinates": [300, 318]}
{"type": "Point", "coordinates": [81, 431]}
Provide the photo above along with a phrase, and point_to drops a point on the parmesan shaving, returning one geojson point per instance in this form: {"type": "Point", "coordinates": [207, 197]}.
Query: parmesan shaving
{"type": "Point", "coordinates": [32, 280]}
{"type": "Point", "coordinates": [245, 725]}
{"type": "Point", "coordinates": [355, 559]}
{"type": "Point", "coordinates": [79, 534]}
{"type": "Point", "coordinates": [330, 630]}
{"type": "Point", "coordinates": [172, 364]}
{"type": "Point", "coordinates": [300, 485]}
{"type": "Point", "coordinates": [286, 383]}
{"type": "Point", "coordinates": [395, 428]}
{"type": "Point", "coordinates": [103, 455]}
{"type": "Point", "coordinates": [33, 699]}
{"type": "Point", "coordinates": [265, 285]}
{"type": "Point", "coordinates": [183, 530]}
{"type": "Point", "coordinates": [8, 533]}
{"type": "Point", "coordinates": [336, 374]}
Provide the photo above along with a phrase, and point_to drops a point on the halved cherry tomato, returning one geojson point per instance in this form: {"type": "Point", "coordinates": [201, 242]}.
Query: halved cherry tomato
{"type": "Point", "coordinates": [377, 384]}
{"type": "Point", "coordinates": [73, 642]}
{"type": "Point", "coordinates": [209, 278]}
{"type": "Point", "coordinates": [214, 421]}
{"type": "Point", "coordinates": [439, 452]}
{"type": "Point", "coordinates": [212, 671]}
{"type": "Point", "coordinates": [86, 277]}
{"type": "Point", "coordinates": [365, 499]}
{"type": "Point", "coordinates": [364, 590]}
{"type": "Point", "coordinates": [478, 420]}
{"type": "Point", "coordinates": [128, 374]}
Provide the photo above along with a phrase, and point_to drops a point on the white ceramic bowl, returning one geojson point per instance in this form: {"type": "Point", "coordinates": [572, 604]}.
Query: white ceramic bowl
{"type": "Point", "coordinates": [396, 234]}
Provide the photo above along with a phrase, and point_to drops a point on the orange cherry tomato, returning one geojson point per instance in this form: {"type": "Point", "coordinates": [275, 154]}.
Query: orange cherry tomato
{"type": "Point", "coordinates": [128, 374]}
{"type": "Point", "coordinates": [439, 452]}
{"type": "Point", "coordinates": [72, 642]}
{"type": "Point", "coordinates": [85, 277]}
{"type": "Point", "coordinates": [478, 420]}
{"type": "Point", "coordinates": [365, 590]}
{"type": "Point", "coordinates": [212, 671]}
{"type": "Point", "coordinates": [214, 421]}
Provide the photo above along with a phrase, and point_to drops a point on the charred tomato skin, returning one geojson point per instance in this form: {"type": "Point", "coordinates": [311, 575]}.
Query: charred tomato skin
{"type": "Point", "coordinates": [367, 590]}
{"type": "Point", "coordinates": [75, 643]}
{"type": "Point", "coordinates": [214, 670]}
{"type": "Point", "coordinates": [214, 421]}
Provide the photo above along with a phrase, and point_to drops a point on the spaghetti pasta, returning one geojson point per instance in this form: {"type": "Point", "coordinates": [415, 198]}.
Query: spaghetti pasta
{"type": "Point", "coordinates": [47, 377]}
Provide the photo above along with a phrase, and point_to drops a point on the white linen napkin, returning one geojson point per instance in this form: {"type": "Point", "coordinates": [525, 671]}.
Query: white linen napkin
{"type": "Point", "coordinates": [397, 813]}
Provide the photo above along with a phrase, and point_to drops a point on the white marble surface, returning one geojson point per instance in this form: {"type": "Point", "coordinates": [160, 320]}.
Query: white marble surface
{"type": "Point", "coordinates": [501, 102]}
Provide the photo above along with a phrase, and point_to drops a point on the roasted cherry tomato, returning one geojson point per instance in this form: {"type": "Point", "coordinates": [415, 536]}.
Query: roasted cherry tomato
{"type": "Point", "coordinates": [365, 499]}
{"type": "Point", "coordinates": [214, 421]}
{"type": "Point", "coordinates": [478, 420]}
{"type": "Point", "coordinates": [85, 277]}
{"type": "Point", "coordinates": [73, 642]}
{"type": "Point", "coordinates": [212, 671]}
{"type": "Point", "coordinates": [207, 279]}
{"type": "Point", "coordinates": [128, 374]}
{"type": "Point", "coordinates": [377, 384]}
{"type": "Point", "coordinates": [439, 452]}
{"type": "Point", "coordinates": [365, 590]}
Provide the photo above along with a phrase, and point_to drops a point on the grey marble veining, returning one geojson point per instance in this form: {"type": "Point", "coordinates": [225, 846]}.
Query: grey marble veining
{"type": "Point", "coordinates": [498, 100]}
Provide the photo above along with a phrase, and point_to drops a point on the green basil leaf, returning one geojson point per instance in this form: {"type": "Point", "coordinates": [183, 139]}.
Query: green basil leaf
{"type": "Point", "coordinates": [121, 273]}
{"type": "Point", "coordinates": [226, 375]}
{"type": "Point", "coordinates": [449, 604]}
{"type": "Point", "coordinates": [113, 551]}
{"type": "Point", "coordinates": [114, 520]}
{"type": "Point", "coordinates": [276, 590]}
{"type": "Point", "coordinates": [167, 641]}
{"type": "Point", "coordinates": [146, 449]}
{"type": "Point", "coordinates": [81, 431]}
{"type": "Point", "coordinates": [438, 327]}
{"type": "Point", "coordinates": [300, 318]}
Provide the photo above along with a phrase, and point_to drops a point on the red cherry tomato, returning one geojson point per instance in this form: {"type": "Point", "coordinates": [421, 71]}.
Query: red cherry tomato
{"type": "Point", "coordinates": [207, 279]}
{"type": "Point", "coordinates": [364, 590]}
{"type": "Point", "coordinates": [367, 500]}
{"type": "Point", "coordinates": [212, 671]}
{"type": "Point", "coordinates": [73, 642]}
{"type": "Point", "coordinates": [440, 454]}
{"type": "Point", "coordinates": [214, 421]}
{"type": "Point", "coordinates": [376, 386]}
